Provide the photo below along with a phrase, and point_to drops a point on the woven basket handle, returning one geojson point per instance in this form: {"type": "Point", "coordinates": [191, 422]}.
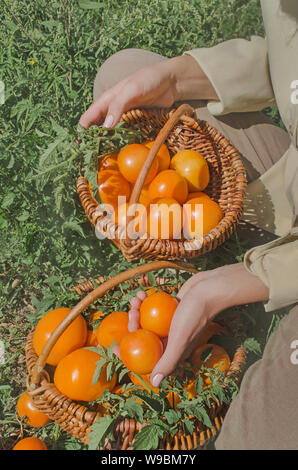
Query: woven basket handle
{"type": "Point", "coordinates": [160, 139]}
{"type": "Point", "coordinates": [94, 295]}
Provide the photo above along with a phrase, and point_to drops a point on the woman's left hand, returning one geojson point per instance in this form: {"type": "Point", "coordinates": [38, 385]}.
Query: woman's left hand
{"type": "Point", "coordinates": [202, 297]}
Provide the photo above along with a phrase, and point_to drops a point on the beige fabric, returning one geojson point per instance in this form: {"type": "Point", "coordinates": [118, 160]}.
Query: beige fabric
{"type": "Point", "coordinates": [264, 415]}
{"type": "Point", "coordinates": [243, 80]}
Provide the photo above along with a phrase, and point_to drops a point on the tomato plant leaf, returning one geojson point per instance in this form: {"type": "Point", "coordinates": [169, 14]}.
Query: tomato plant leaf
{"type": "Point", "coordinates": [134, 409]}
{"type": "Point", "coordinates": [99, 429]}
{"type": "Point", "coordinates": [148, 438]}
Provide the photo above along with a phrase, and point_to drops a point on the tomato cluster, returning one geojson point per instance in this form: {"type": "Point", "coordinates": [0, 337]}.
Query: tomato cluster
{"type": "Point", "coordinates": [74, 365]}
{"type": "Point", "coordinates": [172, 194]}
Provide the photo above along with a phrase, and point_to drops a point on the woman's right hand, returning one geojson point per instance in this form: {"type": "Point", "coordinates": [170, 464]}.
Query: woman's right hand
{"type": "Point", "coordinates": [158, 85]}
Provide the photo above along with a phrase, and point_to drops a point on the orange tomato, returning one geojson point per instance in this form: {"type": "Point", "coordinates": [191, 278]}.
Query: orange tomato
{"type": "Point", "coordinates": [140, 351]}
{"type": "Point", "coordinates": [144, 198]}
{"type": "Point", "coordinates": [74, 336]}
{"type": "Point", "coordinates": [151, 290]}
{"type": "Point", "coordinates": [169, 183]}
{"type": "Point", "coordinates": [197, 194]}
{"type": "Point", "coordinates": [108, 162]}
{"type": "Point", "coordinates": [156, 313]}
{"type": "Point", "coordinates": [112, 328]}
{"type": "Point", "coordinates": [91, 338]}
{"type": "Point", "coordinates": [193, 167]}
{"type": "Point", "coordinates": [174, 398]}
{"type": "Point", "coordinates": [30, 443]}
{"type": "Point", "coordinates": [74, 376]}
{"type": "Point", "coordinates": [218, 358]}
{"type": "Point", "coordinates": [164, 219]}
{"type": "Point", "coordinates": [131, 160]}
{"type": "Point", "coordinates": [34, 417]}
{"type": "Point", "coordinates": [200, 216]}
{"type": "Point", "coordinates": [122, 214]}
{"type": "Point", "coordinates": [212, 329]}
{"type": "Point", "coordinates": [111, 185]}
{"type": "Point", "coordinates": [163, 155]}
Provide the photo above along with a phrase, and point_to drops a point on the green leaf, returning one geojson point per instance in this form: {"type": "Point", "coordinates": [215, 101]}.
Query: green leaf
{"type": "Point", "coordinates": [134, 409]}
{"type": "Point", "coordinates": [98, 370]}
{"type": "Point", "coordinates": [148, 437]}
{"type": "Point", "coordinates": [8, 200]}
{"type": "Point", "coordinates": [86, 5]}
{"type": "Point", "coordinates": [73, 225]}
{"type": "Point", "coordinates": [252, 345]}
{"type": "Point", "coordinates": [202, 413]}
{"type": "Point", "coordinates": [172, 416]}
{"type": "Point", "coordinates": [98, 431]}
{"type": "Point", "coordinates": [154, 404]}
{"type": "Point", "coordinates": [188, 426]}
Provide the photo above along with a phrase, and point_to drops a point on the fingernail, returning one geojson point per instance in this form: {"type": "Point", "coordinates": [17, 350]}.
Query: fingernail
{"type": "Point", "coordinates": [141, 295]}
{"type": "Point", "coordinates": [157, 379]}
{"type": "Point", "coordinates": [135, 302]}
{"type": "Point", "coordinates": [109, 121]}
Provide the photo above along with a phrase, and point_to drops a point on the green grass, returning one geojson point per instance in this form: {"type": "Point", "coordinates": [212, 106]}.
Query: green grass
{"type": "Point", "coordinates": [49, 55]}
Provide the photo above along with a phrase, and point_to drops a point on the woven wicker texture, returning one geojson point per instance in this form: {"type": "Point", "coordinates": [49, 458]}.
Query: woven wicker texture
{"type": "Point", "coordinates": [77, 418]}
{"type": "Point", "coordinates": [227, 182]}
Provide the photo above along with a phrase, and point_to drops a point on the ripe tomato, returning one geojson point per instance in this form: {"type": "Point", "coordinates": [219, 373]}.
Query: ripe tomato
{"type": "Point", "coordinates": [169, 183]}
{"type": "Point", "coordinates": [91, 338]}
{"type": "Point", "coordinates": [109, 162]}
{"type": "Point", "coordinates": [140, 351]}
{"type": "Point", "coordinates": [74, 336]}
{"type": "Point", "coordinates": [200, 216]}
{"type": "Point", "coordinates": [131, 159]}
{"type": "Point", "coordinates": [193, 167]}
{"type": "Point", "coordinates": [144, 198]}
{"type": "Point", "coordinates": [137, 223]}
{"type": "Point", "coordinates": [156, 313]}
{"type": "Point", "coordinates": [26, 407]}
{"type": "Point", "coordinates": [197, 194]}
{"type": "Point", "coordinates": [30, 443]}
{"type": "Point", "coordinates": [111, 185]}
{"type": "Point", "coordinates": [212, 329]}
{"type": "Point", "coordinates": [112, 328]}
{"type": "Point", "coordinates": [74, 376]}
{"type": "Point", "coordinates": [163, 155]}
{"type": "Point", "coordinates": [218, 358]}
{"type": "Point", "coordinates": [164, 219]}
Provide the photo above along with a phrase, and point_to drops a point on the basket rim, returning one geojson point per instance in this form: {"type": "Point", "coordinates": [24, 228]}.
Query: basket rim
{"type": "Point", "coordinates": [48, 392]}
{"type": "Point", "coordinates": [214, 238]}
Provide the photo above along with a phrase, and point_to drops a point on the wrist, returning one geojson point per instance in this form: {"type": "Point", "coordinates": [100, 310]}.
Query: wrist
{"type": "Point", "coordinates": [232, 285]}
{"type": "Point", "coordinates": [189, 79]}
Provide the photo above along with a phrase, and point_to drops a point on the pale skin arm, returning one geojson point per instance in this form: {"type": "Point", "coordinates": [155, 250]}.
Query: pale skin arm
{"type": "Point", "coordinates": [177, 79]}
{"type": "Point", "coordinates": [202, 297]}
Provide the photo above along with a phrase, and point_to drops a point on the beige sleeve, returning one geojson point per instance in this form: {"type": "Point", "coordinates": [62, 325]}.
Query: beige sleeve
{"type": "Point", "coordinates": [276, 265]}
{"type": "Point", "coordinates": [239, 72]}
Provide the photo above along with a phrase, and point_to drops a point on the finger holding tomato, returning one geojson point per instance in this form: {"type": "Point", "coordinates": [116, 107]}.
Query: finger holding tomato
{"type": "Point", "coordinates": [201, 298]}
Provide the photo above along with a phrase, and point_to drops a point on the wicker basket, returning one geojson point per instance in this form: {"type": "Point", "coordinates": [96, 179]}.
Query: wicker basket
{"type": "Point", "coordinates": [76, 418]}
{"type": "Point", "coordinates": [227, 182]}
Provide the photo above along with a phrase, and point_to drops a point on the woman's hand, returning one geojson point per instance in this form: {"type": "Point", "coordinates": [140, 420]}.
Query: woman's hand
{"type": "Point", "coordinates": [161, 84]}
{"type": "Point", "coordinates": [202, 297]}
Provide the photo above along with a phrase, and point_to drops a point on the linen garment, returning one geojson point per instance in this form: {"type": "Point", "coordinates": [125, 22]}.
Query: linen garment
{"type": "Point", "coordinates": [249, 76]}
